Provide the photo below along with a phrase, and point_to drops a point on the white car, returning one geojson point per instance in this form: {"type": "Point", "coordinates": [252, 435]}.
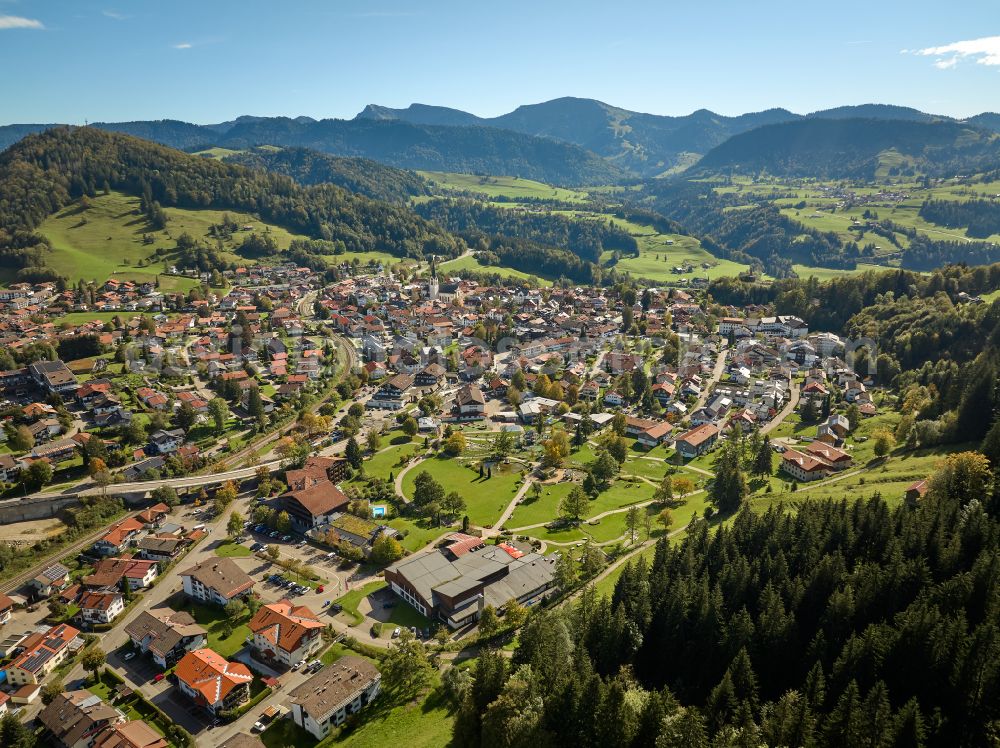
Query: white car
{"type": "Point", "coordinates": [395, 632]}
{"type": "Point", "coordinates": [298, 664]}
{"type": "Point", "coordinates": [128, 656]}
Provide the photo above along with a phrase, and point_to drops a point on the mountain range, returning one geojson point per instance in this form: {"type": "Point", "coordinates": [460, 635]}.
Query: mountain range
{"type": "Point", "coordinates": [563, 141]}
{"type": "Point", "coordinates": [646, 144]}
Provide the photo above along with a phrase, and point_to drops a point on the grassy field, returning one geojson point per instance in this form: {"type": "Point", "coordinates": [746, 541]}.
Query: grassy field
{"type": "Point", "coordinates": [485, 498]}
{"type": "Point", "coordinates": [107, 239]}
{"type": "Point", "coordinates": [213, 618]}
{"type": "Point", "coordinates": [471, 264]}
{"type": "Point", "coordinates": [509, 187]}
{"type": "Point", "coordinates": [228, 549]}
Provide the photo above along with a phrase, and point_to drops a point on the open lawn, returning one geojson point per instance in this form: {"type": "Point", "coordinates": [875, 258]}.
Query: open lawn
{"type": "Point", "coordinates": [214, 619]}
{"type": "Point", "coordinates": [509, 187]}
{"type": "Point", "coordinates": [228, 549]}
{"type": "Point", "coordinates": [384, 462]}
{"type": "Point", "coordinates": [418, 532]}
{"type": "Point", "coordinates": [471, 264]}
{"type": "Point", "coordinates": [107, 239]}
{"type": "Point", "coordinates": [485, 498]}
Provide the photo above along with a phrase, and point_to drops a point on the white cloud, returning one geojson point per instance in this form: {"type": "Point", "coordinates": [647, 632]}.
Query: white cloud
{"type": "Point", "coordinates": [985, 51]}
{"type": "Point", "coordinates": [17, 22]}
{"type": "Point", "coordinates": [183, 45]}
{"type": "Point", "coordinates": [114, 14]}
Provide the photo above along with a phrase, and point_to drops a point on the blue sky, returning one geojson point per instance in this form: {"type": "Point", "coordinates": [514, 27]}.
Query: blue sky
{"type": "Point", "coordinates": [211, 60]}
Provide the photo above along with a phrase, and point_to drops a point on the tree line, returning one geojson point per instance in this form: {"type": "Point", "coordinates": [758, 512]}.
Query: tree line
{"type": "Point", "coordinates": [846, 623]}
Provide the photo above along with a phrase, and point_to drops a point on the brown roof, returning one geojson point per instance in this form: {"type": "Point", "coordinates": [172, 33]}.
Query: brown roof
{"type": "Point", "coordinates": [699, 434]}
{"type": "Point", "coordinates": [222, 575]}
{"type": "Point", "coordinates": [135, 734]}
{"type": "Point", "coordinates": [284, 625]}
{"type": "Point", "coordinates": [76, 715]}
{"type": "Point", "coordinates": [166, 627]}
{"type": "Point", "coordinates": [211, 675]}
{"type": "Point", "coordinates": [326, 691]}
{"type": "Point", "coordinates": [321, 498]}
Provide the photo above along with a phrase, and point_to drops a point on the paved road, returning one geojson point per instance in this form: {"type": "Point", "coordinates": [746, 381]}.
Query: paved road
{"type": "Point", "coordinates": [793, 400]}
{"type": "Point", "coordinates": [717, 370]}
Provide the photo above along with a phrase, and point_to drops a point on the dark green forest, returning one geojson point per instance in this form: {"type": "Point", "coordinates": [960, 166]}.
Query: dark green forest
{"type": "Point", "coordinates": [361, 175]}
{"type": "Point", "coordinates": [476, 220]}
{"type": "Point", "coordinates": [980, 218]}
{"type": "Point", "coordinates": [841, 624]}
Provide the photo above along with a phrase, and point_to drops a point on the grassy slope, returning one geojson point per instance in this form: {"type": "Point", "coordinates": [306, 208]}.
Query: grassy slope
{"type": "Point", "coordinates": [110, 242]}
{"type": "Point", "coordinates": [509, 187]}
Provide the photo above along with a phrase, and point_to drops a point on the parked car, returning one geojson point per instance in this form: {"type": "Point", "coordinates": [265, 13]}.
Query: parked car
{"type": "Point", "coordinates": [286, 538]}
{"type": "Point", "coordinates": [395, 633]}
{"type": "Point", "coordinates": [336, 608]}
{"type": "Point", "coordinates": [298, 664]}
{"type": "Point", "coordinates": [319, 588]}
{"type": "Point", "coordinates": [158, 677]}
{"type": "Point", "coordinates": [128, 656]}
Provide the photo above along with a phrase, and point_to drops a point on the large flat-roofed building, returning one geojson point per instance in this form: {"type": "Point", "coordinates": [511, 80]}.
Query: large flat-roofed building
{"type": "Point", "coordinates": [335, 692]}
{"type": "Point", "coordinates": [455, 584]}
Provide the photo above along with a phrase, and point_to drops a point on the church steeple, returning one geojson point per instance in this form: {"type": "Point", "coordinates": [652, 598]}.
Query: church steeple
{"type": "Point", "coordinates": [432, 284]}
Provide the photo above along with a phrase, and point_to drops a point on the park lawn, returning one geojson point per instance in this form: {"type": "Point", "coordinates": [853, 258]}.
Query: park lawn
{"type": "Point", "coordinates": [213, 618]}
{"type": "Point", "coordinates": [418, 532]}
{"type": "Point", "coordinates": [581, 456]}
{"type": "Point", "coordinates": [485, 498]}
{"type": "Point", "coordinates": [621, 493]}
{"type": "Point", "coordinates": [545, 508]}
{"type": "Point", "coordinates": [229, 549]}
{"type": "Point", "coordinates": [652, 469]}
{"type": "Point", "coordinates": [382, 463]}
{"type": "Point", "coordinates": [352, 599]}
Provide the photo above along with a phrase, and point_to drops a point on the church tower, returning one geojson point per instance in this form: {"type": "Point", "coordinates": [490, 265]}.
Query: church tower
{"type": "Point", "coordinates": [432, 284]}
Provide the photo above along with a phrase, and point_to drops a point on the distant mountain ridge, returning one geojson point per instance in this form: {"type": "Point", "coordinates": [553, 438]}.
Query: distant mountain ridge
{"type": "Point", "coordinates": [568, 140]}
{"type": "Point", "coordinates": [647, 144]}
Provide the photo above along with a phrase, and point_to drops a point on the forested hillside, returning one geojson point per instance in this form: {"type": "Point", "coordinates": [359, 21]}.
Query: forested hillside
{"type": "Point", "coordinates": [587, 239]}
{"type": "Point", "coordinates": [46, 171]}
{"type": "Point", "coordinates": [361, 175]}
{"type": "Point", "coordinates": [841, 624]}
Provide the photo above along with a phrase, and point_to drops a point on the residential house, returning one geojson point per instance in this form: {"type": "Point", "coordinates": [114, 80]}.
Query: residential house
{"type": "Point", "coordinates": [217, 581]}
{"type": "Point", "coordinates": [75, 719]}
{"type": "Point", "coordinates": [313, 505]}
{"type": "Point", "coordinates": [6, 609]}
{"type": "Point", "coordinates": [41, 653]}
{"type": "Point", "coordinates": [285, 633]}
{"type": "Point", "coordinates": [165, 441]}
{"type": "Point", "coordinates": [166, 635]}
{"type": "Point", "coordinates": [53, 376]}
{"type": "Point", "coordinates": [101, 607]}
{"type": "Point", "coordinates": [327, 698]}
{"type": "Point", "coordinates": [469, 402]}
{"type": "Point", "coordinates": [134, 734]}
{"type": "Point", "coordinates": [52, 579]}
{"type": "Point", "coordinates": [134, 573]}
{"type": "Point", "coordinates": [212, 682]}
{"type": "Point", "coordinates": [392, 394]}
{"type": "Point", "coordinates": [696, 441]}
{"type": "Point", "coordinates": [121, 535]}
